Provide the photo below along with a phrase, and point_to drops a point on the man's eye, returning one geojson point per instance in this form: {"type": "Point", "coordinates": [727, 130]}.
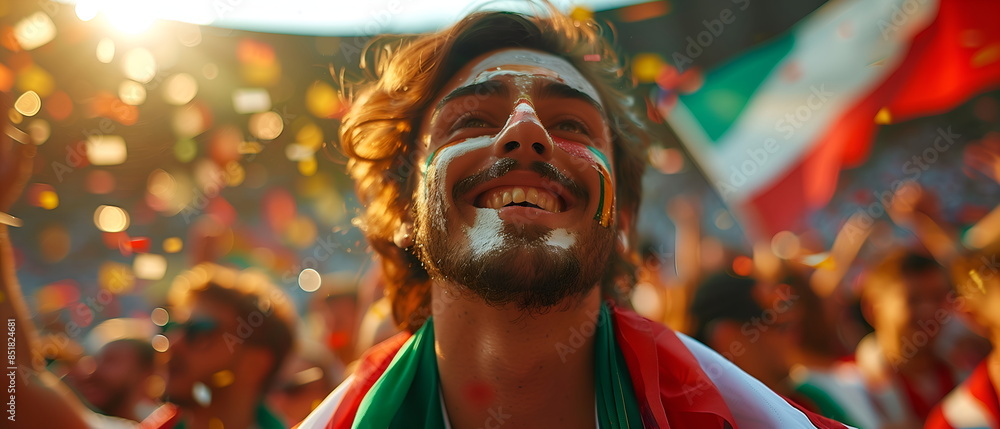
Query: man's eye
{"type": "Point", "coordinates": [572, 126]}
{"type": "Point", "coordinates": [471, 122]}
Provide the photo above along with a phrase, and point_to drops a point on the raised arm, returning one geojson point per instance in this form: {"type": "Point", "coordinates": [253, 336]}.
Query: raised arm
{"type": "Point", "coordinates": [32, 396]}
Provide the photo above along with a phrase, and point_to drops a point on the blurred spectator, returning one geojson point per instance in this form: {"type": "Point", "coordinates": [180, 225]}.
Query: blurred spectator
{"type": "Point", "coordinates": [819, 372]}
{"type": "Point", "coordinates": [335, 306]}
{"type": "Point", "coordinates": [118, 383]}
{"type": "Point", "coordinates": [310, 374]}
{"type": "Point", "coordinates": [229, 336]}
{"type": "Point", "coordinates": [376, 325]}
{"type": "Point", "coordinates": [729, 318]}
{"type": "Point", "coordinates": [905, 297]}
{"type": "Point", "coordinates": [974, 403]}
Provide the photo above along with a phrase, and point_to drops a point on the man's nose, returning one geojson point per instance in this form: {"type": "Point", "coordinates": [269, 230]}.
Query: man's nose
{"type": "Point", "coordinates": [524, 137]}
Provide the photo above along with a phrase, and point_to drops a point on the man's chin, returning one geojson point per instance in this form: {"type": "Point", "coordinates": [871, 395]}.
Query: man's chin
{"type": "Point", "coordinates": [528, 277]}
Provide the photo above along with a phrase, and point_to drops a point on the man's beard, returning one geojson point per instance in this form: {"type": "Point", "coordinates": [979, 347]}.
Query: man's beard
{"type": "Point", "coordinates": [523, 270]}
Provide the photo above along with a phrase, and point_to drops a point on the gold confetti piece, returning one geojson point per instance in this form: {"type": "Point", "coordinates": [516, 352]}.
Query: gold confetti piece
{"type": "Point", "coordinates": [986, 56]}
{"type": "Point", "coordinates": [977, 280]}
{"type": "Point", "coordinates": [883, 117]}
{"type": "Point", "coordinates": [223, 378]}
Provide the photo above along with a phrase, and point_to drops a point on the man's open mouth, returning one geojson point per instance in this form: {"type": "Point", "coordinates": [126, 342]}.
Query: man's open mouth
{"type": "Point", "coordinates": [523, 196]}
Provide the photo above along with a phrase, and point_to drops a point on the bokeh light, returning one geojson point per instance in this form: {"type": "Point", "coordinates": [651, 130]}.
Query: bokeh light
{"type": "Point", "coordinates": [129, 16]}
{"type": "Point", "coordinates": [116, 278]}
{"type": "Point", "coordinates": [322, 100]}
{"type": "Point", "coordinates": [266, 125]}
{"type": "Point", "coordinates": [105, 50]}
{"type": "Point", "coordinates": [37, 79]}
{"type": "Point", "coordinates": [34, 31]}
{"type": "Point", "coordinates": [55, 243]}
{"type": "Point", "coordinates": [646, 67]}
{"type": "Point", "coordinates": [185, 150]}
{"type": "Point", "coordinates": [28, 104]}
{"type": "Point", "coordinates": [87, 9]}
{"type": "Point", "coordinates": [191, 120]}
{"type": "Point", "coordinates": [106, 150]}
{"type": "Point", "coordinates": [48, 199]}
{"type": "Point", "coordinates": [160, 343]}
{"type": "Point", "coordinates": [309, 280]}
{"type": "Point", "coordinates": [159, 316]}
{"type": "Point", "coordinates": [132, 92]}
{"type": "Point", "coordinates": [139, 65]}
{"type": "Point", "coordinates": [210, 71]}
{"type": "Point", "coordinates": [149, 266]}
{"type": "Point", "coordinates": [223, 378]}
{"type": "Point", "coordinates": [179, 89]}
{"type": "Point", "coordinates": [785, 245]}
{"type": "Point", "coordinates": [743, 265]}
{"type": "Point", "coordinates": [251, 100]}
{"type": "Point", "coordinates": [39, 130]}
{"type": "Point", "coordinates": [173, 245]}
{"type": "Point", "coordinates": [59, 105]}
{"type": "Point", "coordinates": [100, 182]}
{"type": "Point", "coordinates": [188, 34]}
{"type": "Point", "coordinates": [111, 219]}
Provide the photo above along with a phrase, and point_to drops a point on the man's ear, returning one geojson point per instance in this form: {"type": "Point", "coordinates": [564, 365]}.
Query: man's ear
{"type": "Point", "coordinates": [403, 237]}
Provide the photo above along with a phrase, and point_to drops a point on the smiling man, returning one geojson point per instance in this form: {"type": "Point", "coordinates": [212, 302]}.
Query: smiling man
{"type": "Point", "coordinates": [500, 163]}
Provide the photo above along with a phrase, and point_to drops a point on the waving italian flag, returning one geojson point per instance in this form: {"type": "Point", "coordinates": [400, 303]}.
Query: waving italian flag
{"type": "Point", "coordinates": [773, 127]}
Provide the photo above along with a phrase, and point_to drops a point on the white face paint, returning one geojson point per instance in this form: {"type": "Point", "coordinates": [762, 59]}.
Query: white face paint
{"type": "Point", "coordinates": [561, 238]}
{"type": "Point", "coordinates": [487, 233]}
{"type": "Point", "coordinates": [558, 68]}
{"type": "Point", "coordinates": [436, 169]}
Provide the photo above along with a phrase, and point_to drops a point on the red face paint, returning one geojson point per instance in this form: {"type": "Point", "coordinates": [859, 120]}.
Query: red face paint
{"type": "Point", "coordinates": [604, 214]}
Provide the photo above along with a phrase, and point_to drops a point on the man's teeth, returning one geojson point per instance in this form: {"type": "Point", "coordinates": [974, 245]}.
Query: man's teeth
{"type": "Point", "coordinates": [498, 198]}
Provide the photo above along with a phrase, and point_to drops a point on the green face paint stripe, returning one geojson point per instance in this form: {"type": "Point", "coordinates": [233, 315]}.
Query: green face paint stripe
{"type": "Point", "coordinates": [427, 165]}
{"type": "Point", "coordinates": [600, 202]}
{"type": "Point", "coordinates": [430, 158]}
{"type": "Point", "coordinates": [600, 156]}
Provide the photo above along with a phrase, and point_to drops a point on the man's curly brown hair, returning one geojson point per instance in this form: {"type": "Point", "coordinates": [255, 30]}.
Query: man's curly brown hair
{"type": "Point", "coordinates": [380, 129]}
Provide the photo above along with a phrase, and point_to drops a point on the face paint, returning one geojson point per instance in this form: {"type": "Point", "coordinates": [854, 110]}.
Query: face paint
{"type": "Point", "coordinates": [436, 167]}
{"type": "Point", "coordinates": [606, 203]}
{"type": "Point", "coordinates": [530, 64]}
{"type": "Point", "coordinates": [524, 111]}
{"type": "Point", "coordinates": [487, 233]}
{"type": "Point", "coordinates": [561, 238]}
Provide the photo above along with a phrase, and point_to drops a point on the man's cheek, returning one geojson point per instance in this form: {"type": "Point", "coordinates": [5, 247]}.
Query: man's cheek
{"type": "Point", "coordinates": [592, 159]}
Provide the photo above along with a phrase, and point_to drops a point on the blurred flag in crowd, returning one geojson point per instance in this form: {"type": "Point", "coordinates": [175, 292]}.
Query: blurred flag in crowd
{"type": "Point", "coordinates": [773, 127]}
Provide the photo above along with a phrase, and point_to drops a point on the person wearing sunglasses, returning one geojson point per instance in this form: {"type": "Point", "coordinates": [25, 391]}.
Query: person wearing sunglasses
{"type": "Point", "coordinates": [229, 334]}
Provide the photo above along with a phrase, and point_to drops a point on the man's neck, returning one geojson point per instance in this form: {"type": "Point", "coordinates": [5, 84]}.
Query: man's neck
{"type": "Point", "coordinates": [234, 406]}
{"type": "Point", "coordinates": [499, 366]}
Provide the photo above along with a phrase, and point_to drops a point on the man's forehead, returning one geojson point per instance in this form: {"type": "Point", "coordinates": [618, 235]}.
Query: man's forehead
{"type": "Point", "coordinates": [517, 62]}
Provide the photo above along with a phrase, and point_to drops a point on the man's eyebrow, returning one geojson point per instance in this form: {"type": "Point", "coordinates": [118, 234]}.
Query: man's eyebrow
{"type": "Point", "coordinates": [482, 89]}
{"type": "Point", "coordinates": [561, 90]}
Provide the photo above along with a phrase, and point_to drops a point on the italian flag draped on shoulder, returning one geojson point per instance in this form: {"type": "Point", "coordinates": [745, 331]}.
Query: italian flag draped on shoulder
{"type": "Point", "coordinates": [646, 376]}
